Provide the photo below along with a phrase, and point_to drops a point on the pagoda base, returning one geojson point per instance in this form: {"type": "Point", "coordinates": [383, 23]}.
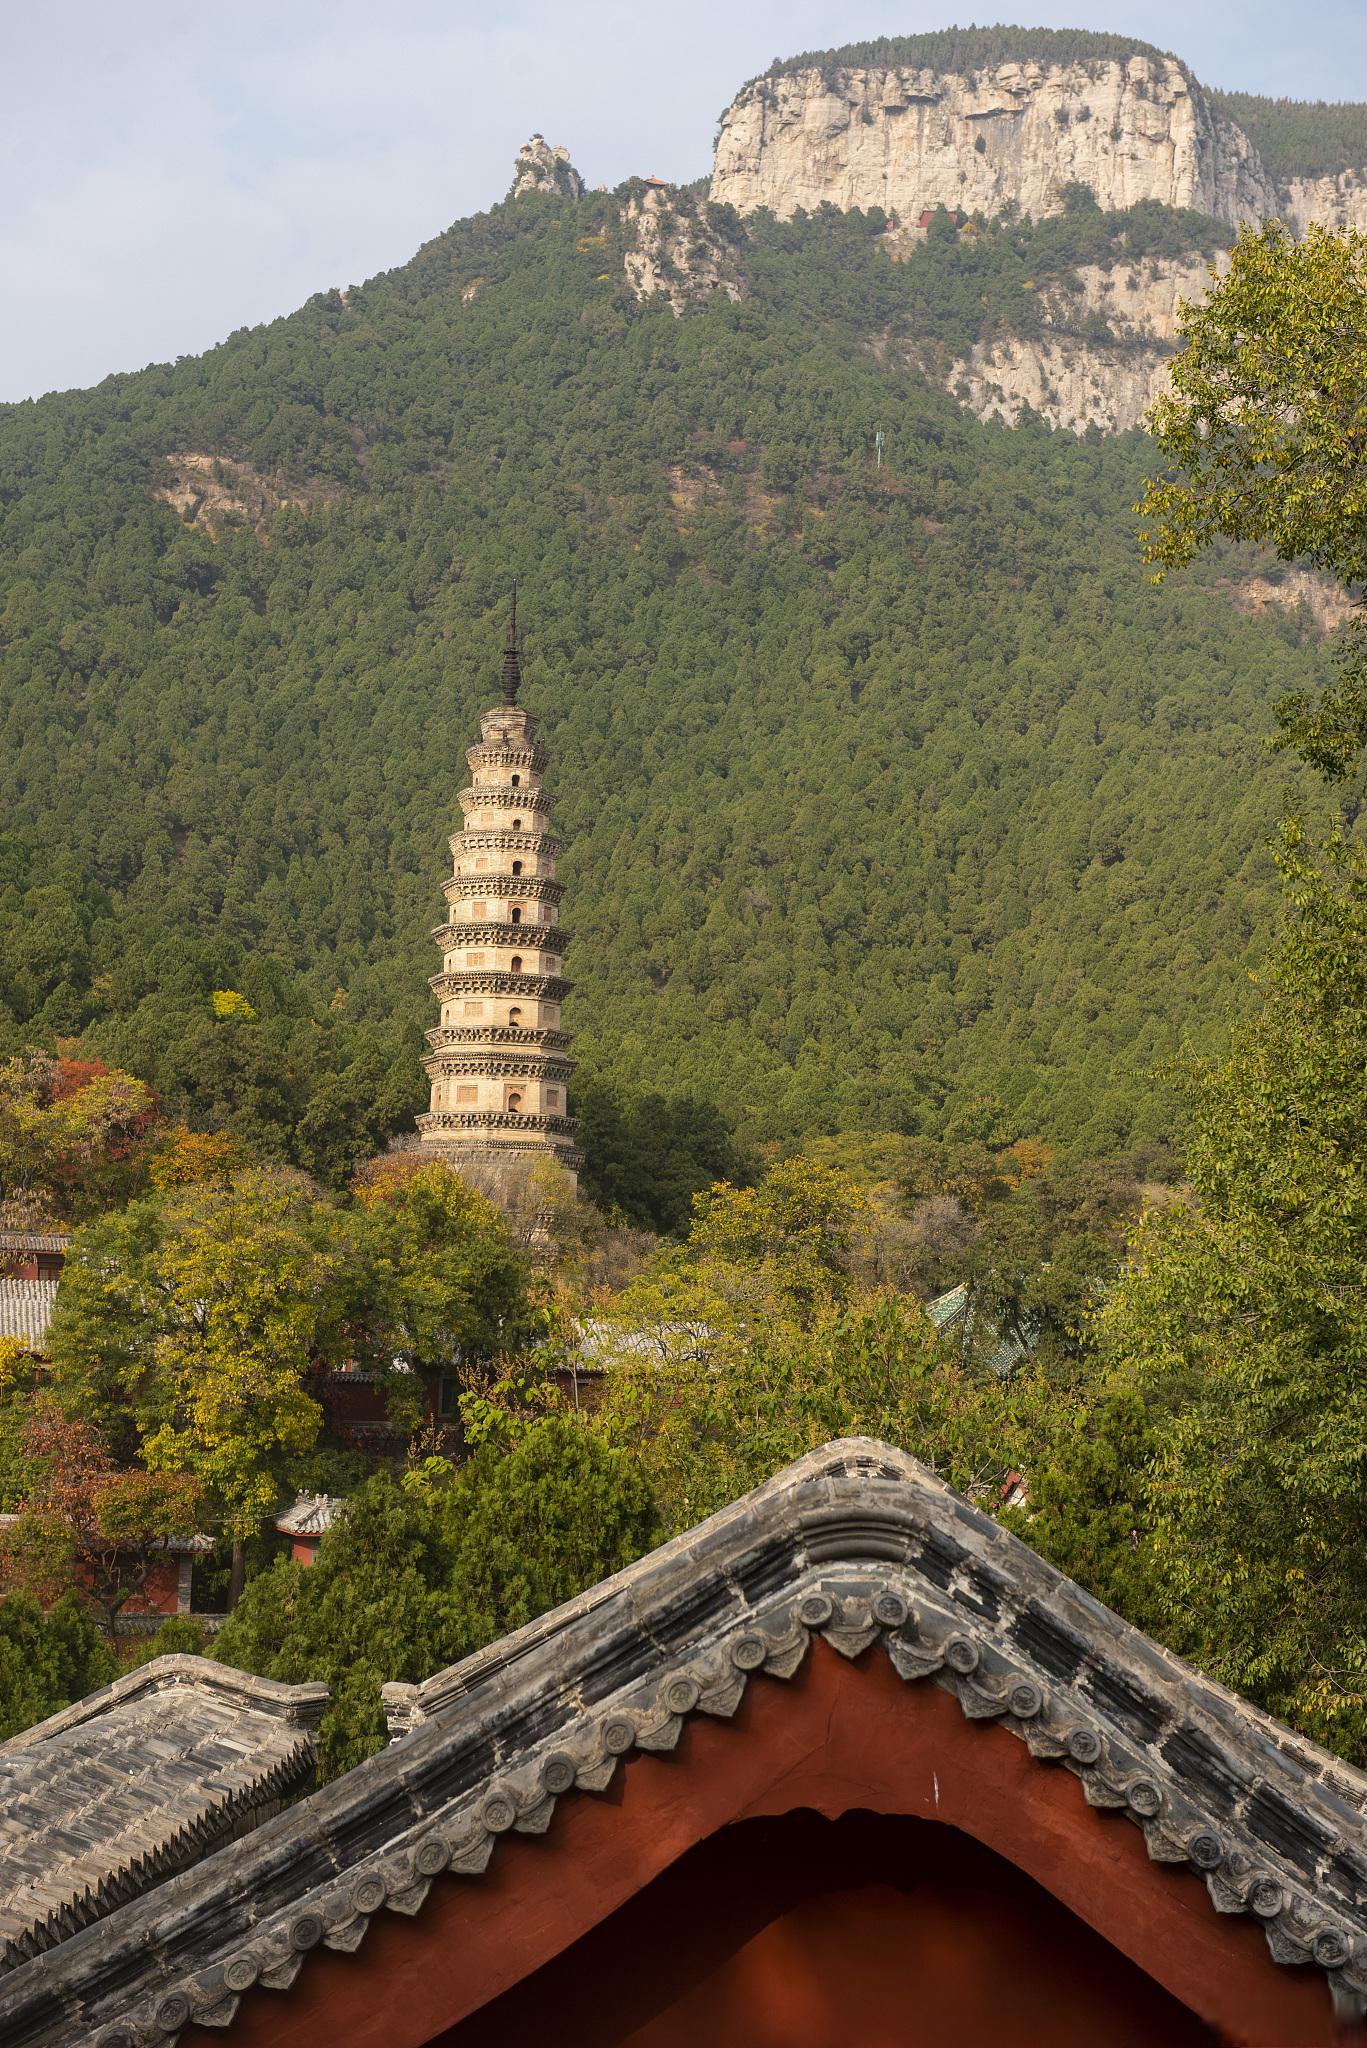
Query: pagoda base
{"type": "Point", "coordinates": [501, 1170]}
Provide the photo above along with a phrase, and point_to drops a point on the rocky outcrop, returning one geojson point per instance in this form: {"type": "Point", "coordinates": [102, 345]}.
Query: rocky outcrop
{"type": "Point", "coordinates": [1140, 300]}
{"type": "Point", "coordinates": [1327, 604]}
{"type": "Point", "coordinates": [1068, 382]}
{"type": "Point", "coordinates": [215, 493]}
{"type": "Point", "coordinates": [1015, 134]}
{"type": "Point", "coordinates": [1104, 354]}
{"type": "Point", "coordinates": [1339, 201]}
{"type": "Point", "coordinates": [543, 168]}
{"type": "Point", "coordinates": [674, 250]}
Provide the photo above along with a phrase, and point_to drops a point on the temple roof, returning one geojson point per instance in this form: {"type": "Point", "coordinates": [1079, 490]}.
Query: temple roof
{"type": "Point", "coordinates": [26, 1310]}
{"type": "Point", "coordinates": [105, 1799]}
{"type": "Point", "coordinates": [36, 1239]}
{"type": "Point", "coordinates": [313, 1514]}
{"type": "Point", "coordinates": [856, 1544]}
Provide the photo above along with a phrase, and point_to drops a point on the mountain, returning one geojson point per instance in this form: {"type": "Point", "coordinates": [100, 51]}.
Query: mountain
{"type": "Point", "coordinates": [989, 119]}
{"type": "Point", "coordinates": [894, 795]}
{"type": "Point", "coordinates": [999, 123]}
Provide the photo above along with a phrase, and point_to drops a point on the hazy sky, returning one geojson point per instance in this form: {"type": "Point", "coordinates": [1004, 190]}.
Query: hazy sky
{"type": "Point", "coordinates": [173, 171]}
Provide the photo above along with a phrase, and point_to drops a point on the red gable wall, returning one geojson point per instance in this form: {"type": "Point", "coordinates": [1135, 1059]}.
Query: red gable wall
{"type": "Point", "coordinates": [837, 1738]}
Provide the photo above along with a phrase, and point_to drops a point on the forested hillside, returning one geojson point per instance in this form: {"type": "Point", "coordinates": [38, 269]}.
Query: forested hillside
{"type": "Point", "coordinates": [893, 798]}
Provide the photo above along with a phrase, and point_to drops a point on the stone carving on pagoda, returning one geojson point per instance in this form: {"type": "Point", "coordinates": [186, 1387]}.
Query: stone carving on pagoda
{"type": "Point", "coordinates": [499, 1063]}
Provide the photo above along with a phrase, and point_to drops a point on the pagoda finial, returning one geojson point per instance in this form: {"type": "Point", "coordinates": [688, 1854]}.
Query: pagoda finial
{"type": "Point", "coordinates": [512, 668]}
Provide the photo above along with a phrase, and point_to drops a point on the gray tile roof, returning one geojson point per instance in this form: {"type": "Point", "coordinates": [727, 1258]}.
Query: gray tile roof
{"type": "Point", "coordinates": [313, 1514]}
{"type": "Point", "coordinates": [855, 1543]}
{"type": "Point", "coordinates": [34, 1240]}
{"type": "Point", "coordinates": [26, 1310]}
{"type": "Point", "coordinates": [108, 1797]}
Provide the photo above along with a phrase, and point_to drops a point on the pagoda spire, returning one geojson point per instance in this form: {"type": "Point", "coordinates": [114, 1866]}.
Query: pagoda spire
{"type": "Point", "coordinates": [512, 667]}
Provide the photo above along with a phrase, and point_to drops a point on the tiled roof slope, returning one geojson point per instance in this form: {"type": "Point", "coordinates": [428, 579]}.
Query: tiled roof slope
{"type": "Point", "coordinates": [313, 1514]}
{"type": "Point", "coordinates": [108, 1797]}
{"type": "Point", "coordinates": [26, 1310]}
{"type": "Point", "coordinates": [35, 1239]}
{"type": "Point", "coordinates": [856, 1543]}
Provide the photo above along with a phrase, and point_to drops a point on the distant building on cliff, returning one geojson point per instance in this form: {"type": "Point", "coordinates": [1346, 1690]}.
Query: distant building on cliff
{"type": "Point", "coordinates": [498, 1065]}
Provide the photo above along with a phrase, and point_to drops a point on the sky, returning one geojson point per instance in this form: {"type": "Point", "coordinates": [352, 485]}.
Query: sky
{"type": "Point", "coordinates": [174, 171]}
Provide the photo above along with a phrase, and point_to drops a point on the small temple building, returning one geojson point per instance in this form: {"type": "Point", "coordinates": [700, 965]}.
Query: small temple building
{"type": "Point", "coordinates": [499, 1067]}
{"type": "Point", "coordinates": [847, 1766]}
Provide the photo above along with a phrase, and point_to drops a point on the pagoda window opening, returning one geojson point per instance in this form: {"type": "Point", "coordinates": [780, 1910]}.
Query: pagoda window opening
{"type": "Point", "coordinates": [514, 1104]}
{"type": "Point", "coordinates": [517, 782]}
{"type": "Point", "coordinates": [517, 963]}
{"type": "Point", "coordinates": [517, 913]}
{"type": "Point", "coordinates": [515, 1015]}
{"type": "Point", "coordinates": [517, 867]}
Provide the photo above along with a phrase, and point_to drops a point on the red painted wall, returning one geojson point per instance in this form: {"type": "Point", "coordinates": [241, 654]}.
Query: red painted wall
{"type": "Point", "coordinates": [865, 1932]}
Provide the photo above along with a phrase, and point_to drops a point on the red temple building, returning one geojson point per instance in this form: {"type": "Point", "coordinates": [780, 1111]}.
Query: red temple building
{"type": "Point", "coordinates": [848, 1766]}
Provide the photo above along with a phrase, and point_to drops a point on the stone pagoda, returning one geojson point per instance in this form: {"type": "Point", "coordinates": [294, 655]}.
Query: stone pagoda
{"type": "Point", "coordinates": [499, 1062]}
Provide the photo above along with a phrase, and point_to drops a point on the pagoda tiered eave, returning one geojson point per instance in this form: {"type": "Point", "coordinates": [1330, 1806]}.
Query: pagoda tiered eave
{"type": "Point", "coordinates": [482, 755]}
{"type": "Point", "coordinates": [535, 1066]}
{"type": "Point", "coordinates": [459, 1036]}
{"type": "Point", "coordinates": [544, 844]}
{"type": "Point", "coordinates": [532, 888]}
{"type": "Point", "coordinates": [482, 982]}
{"type": "Point", "coordinates": [544, 938]}
{"type": "Point", "coordinates": [496, 796]}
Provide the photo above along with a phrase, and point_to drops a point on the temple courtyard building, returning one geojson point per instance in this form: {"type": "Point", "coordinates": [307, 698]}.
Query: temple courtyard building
{"type": "Point", "coordinates": [847, 1764]}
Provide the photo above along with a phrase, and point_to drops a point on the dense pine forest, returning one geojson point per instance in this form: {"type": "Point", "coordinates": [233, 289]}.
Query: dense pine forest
{"type": "Point", "coordinates": [895, 798]}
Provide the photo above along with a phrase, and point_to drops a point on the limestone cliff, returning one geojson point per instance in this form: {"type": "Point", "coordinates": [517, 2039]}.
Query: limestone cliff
{"type": "Point", "coordinates": [1012, 135]}
{"type": "Point", "coordinates": [1100, 358]}
{"type": "Point", "coordinates": [1006, 135]}
{"type": "Point", "coordinates": [1339, 201]}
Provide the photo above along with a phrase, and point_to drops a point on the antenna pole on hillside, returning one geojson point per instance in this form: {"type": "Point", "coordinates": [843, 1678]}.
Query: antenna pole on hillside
{"type": "Point", "coordinates": [878, 448]}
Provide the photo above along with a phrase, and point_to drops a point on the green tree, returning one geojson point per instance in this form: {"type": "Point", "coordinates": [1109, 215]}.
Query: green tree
{"type": "Point", "coordinates": [435, 1279]}
{"type": "Point", "coordinates": [1244, 1314]}
{"type": "Point", "coordinates": [562, 1509]}
{"type": "Point", "coordinates": [189, 1324]}
{"type": "Point", "coordinates": [1266, 429]}
{"type": "Point", "coordinates": [250, 1278]}
{"type": "Point", "coordinates": [1089, 1508]}
{"type": "Point", "coordinates": [371, 1608]}
{"type": "Point", "coordinates": [798, 1232]}
{"type": "Point", "coordinates": [714, 1427]}
{"type": "Point", "coordinates": [47, 1660]}
{"type": "Point", "coordinates": [414, 1579]}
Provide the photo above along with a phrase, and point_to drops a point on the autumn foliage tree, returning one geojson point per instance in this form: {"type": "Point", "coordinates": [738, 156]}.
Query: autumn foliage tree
{"type": "Point", "coordinates": [71, 1132]}
{"type": "Point", "coordinates": [189, 1323]}
{"type": "Point", "coordinates": [88, 1522]}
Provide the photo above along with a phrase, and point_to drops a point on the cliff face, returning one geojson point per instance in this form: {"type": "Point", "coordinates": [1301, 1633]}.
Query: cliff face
{"type": "Point", "coordinates": [1102, 357]}
{"type": "Point", "coordinates": [1339, 201]}
{"type": "Point", "coordinates": [1013, 134]}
